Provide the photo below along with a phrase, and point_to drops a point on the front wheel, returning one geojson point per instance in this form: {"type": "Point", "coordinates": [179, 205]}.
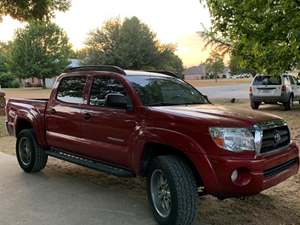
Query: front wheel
{"type": "Point", "coordinates": [30, 155]}
{"type": "Point", "coordinates": [172, 191]}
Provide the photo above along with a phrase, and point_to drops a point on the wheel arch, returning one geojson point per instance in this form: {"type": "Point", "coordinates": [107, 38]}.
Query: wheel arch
{"type": "Point", "coordinates": [21, 124]}
{"type": "Point", "coordinates": [152, 150]}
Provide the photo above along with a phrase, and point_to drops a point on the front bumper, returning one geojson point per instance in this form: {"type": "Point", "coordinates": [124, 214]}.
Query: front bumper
{"type": "Point", "coordinates": [254, 175]}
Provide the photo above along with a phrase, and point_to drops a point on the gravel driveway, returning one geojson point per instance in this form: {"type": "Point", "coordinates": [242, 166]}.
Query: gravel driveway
{"type": "Point", "coordinates": [239, 91]}
{"type": "Point", "coordinates": [54, 198]}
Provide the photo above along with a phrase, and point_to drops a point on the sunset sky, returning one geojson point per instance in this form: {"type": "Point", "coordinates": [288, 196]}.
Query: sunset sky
{"type": "Point", "coordinates": [174, 21]}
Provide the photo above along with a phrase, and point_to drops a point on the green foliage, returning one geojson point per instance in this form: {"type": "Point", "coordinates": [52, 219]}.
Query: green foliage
{"type": "Point", "coordinates": [4, 59]}
{"type": "Point", "coordinates": [39, 50]}
{"type": "Point", "coordinates": [129, 44]}
{"type": "Point", "coordinates": [237, 67]}
{"type": "Point", "coordinates": [264, 34]}
{"type": "Point", "coordinates": [7, 80]}
{"type": "Point", "coordinates": [169, 61]}
{"type": "Point", "coordinates": [214, 65]}
{"type": "Point", "coordinates": [15, 84]}
{"type": "Point", "coordinates": [27, 10]}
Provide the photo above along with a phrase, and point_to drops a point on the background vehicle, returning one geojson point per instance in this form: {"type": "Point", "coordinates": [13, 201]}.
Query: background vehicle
{"type": "Point", "coordinates": [273, 90]}
{"type": "Point", "coordinates": [134, 123]}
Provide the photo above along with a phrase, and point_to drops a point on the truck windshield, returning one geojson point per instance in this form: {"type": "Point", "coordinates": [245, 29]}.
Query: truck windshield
{"type": "Point", "coordinates": [164, 91]}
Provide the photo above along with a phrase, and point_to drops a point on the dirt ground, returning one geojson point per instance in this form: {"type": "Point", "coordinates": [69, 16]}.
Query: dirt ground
{"type": "Point", "coordinates": [26, 93]}
{"type": "Point", "coordinates": [220, 82]}
{"type": "Point", "coordinates": [279, 205]}
{"type": "Point", "coordinates": [45, 93]}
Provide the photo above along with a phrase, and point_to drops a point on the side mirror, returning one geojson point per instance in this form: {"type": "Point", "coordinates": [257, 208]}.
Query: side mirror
{"type": "Point", "coordinates": [298, 82]}
{"type": "Point", "coordinates": [117, 101]}
{"type": "Point", "coordinates": [206, 98]}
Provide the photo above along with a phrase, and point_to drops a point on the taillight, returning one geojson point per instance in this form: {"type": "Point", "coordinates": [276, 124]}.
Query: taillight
{"type": "Point", "coordinates": [283, 88]}
{"type": "Point", "coordinates": [250, 90]}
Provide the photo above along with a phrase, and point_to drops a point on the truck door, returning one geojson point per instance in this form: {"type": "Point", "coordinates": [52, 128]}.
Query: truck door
{"type": "Point", "coordinates": [63, 115]}
{"type": "Point", "coordinates": [107, 131]}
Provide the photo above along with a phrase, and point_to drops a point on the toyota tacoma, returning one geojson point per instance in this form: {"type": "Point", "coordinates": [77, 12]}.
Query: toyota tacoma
{"type": "Point", "coordinates": [154, 125]}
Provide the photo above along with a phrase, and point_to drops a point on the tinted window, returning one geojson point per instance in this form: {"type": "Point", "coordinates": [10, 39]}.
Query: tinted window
{"type": "Point", "coordinates": [160, 91]}
{"type": "Point", "coordinates": [267, 80]}
{"type": "Point", "coordinates": [102, 86]}
{"type": "Point", "coordinates": [70, 90]}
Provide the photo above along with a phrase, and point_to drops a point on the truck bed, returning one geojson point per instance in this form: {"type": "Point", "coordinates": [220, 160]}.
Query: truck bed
{"type": "Point", "coordinates": [25, 109]}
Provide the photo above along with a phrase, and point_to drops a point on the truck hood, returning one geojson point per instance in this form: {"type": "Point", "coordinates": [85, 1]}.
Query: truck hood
{"type": "Point", "coordinates": [217, 114]}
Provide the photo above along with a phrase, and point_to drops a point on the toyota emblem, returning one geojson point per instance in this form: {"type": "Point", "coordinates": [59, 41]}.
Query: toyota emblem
{"type": "Point", "coordinates": [277, 137]}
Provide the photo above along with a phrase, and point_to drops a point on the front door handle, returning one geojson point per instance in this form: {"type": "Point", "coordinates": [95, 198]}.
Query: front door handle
{"type": "Point", "coordinates": [87, 116]}
{"type": "Point", "coordinates": [52, 111]}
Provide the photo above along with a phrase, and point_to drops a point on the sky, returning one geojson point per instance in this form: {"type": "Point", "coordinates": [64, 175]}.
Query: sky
{"type": "Point", "coordinates": [174, 21]}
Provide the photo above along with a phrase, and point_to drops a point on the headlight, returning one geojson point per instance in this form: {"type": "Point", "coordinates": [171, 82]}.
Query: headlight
{"type": "Point", "coordinates": [233, 139]}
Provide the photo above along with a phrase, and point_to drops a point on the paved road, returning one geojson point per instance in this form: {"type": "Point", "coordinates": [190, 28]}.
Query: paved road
{"type": "Point", "coordinates": [55, 198]}
{"type": "Point", "coordinates": [240, 91]}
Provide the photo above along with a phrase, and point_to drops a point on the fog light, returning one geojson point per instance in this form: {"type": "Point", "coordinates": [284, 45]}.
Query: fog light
{"type": "Point", "coordinates": [234, 175]}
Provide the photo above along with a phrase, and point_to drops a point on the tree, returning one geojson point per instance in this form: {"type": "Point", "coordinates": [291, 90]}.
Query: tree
{"type": "Point", "coordinates": [237, 67]}
{"type": "Point", "coordinates": [214, 65]}
{"type": "Point", "coordinates": [129, 44]}
{"type": "Point", "coordinates": [27, 10]}
{"type": "Point", "coordinates": [168, 60]}
{"type": "Point", "coordinates": [39, 50]}
{"type": "Point", "coordinates": [264, 34]}
{"type": "Point", "coordinates": [3, 57]}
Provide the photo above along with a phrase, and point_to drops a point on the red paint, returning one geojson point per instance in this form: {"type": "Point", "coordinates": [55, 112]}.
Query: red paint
{"type": "Point", "coordinates": [118, 136]}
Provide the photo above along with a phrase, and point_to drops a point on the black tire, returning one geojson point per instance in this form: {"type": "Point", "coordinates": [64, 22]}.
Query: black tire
{"type": "Point", "coordinates": [182, 188]}
{"type": "Point", "coordinates": [31, 157]}
{"type": "Point", "coordinates": [255, 105]}
{"type": "Point", "coordinates": [289, 105]}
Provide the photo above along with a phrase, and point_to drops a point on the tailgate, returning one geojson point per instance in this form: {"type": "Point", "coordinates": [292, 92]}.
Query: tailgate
{"type": "Point", "coordinates": [267, 90]}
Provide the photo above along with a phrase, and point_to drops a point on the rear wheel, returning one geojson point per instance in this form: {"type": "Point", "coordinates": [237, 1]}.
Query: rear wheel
{"type": "Point", "coordinates": [289, 105]}
{"type": "Point", "coordinates": [172, 191]}
{"type": "Point", "coordinates": [30, 155]}
{"type": "Point", "coordinates": [255, 105]}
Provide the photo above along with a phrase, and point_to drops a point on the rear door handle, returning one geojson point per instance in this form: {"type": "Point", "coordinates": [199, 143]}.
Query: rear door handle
{"type": "Point", "coordinates": [87, 116]}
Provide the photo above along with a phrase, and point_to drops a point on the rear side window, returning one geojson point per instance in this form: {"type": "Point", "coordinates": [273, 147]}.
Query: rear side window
{"type": "Point", "coordinates": [102, 86]}
{"type": "Point", "coordinates": [267, 80]}
{"type": "Point", "coordinates": [71, 89]}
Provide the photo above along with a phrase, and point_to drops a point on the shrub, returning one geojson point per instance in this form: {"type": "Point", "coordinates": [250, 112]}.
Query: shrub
{"type": "Point", "coordinates": [6, 80]}
{"type": "Point", "coordinates": [15, 84]}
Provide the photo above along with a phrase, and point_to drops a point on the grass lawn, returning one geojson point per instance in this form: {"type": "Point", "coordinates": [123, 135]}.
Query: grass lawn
{"type": "Point", "coordinates": [26, 92]}
{"type": "Point", "coordinates": [279, 205]}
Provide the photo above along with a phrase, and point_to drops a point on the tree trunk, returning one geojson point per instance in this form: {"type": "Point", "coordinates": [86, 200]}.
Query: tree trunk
{"type": "Point", "coordinates": [44, 82]}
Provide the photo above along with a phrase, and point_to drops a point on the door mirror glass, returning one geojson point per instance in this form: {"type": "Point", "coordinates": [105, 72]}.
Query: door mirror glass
{"type": "Point", "coordinates": [117, 101]}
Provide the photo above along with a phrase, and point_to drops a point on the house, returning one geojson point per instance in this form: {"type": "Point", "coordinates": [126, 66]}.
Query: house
{"type": "Point", "coordinates": [195, 72]}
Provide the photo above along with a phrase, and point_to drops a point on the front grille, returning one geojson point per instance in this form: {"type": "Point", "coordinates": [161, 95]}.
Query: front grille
{"type": "Point", "coordinates": [280, 168]}
{"type": "Point", "coordinates": [275, 138]}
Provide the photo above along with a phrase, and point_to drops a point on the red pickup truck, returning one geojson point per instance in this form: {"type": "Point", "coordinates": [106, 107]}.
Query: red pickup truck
{"type": "Point", "coordinates": [135, 123]}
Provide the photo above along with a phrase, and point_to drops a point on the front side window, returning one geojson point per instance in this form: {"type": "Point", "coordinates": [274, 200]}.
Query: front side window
{"type": "Point", "coordinates": [102, 86]}
{"type": "Point", "coordinates": [70, 90]}
{"type": "Point", "coordinates": [163, 91]}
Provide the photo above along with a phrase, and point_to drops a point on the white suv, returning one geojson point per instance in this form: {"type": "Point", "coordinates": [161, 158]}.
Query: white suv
{"type": "Point", "coordinates": [272, 90]}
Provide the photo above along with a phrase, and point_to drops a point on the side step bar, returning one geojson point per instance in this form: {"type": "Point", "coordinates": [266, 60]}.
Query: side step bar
{"type": "Point", "coordinates": [99, 166]}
